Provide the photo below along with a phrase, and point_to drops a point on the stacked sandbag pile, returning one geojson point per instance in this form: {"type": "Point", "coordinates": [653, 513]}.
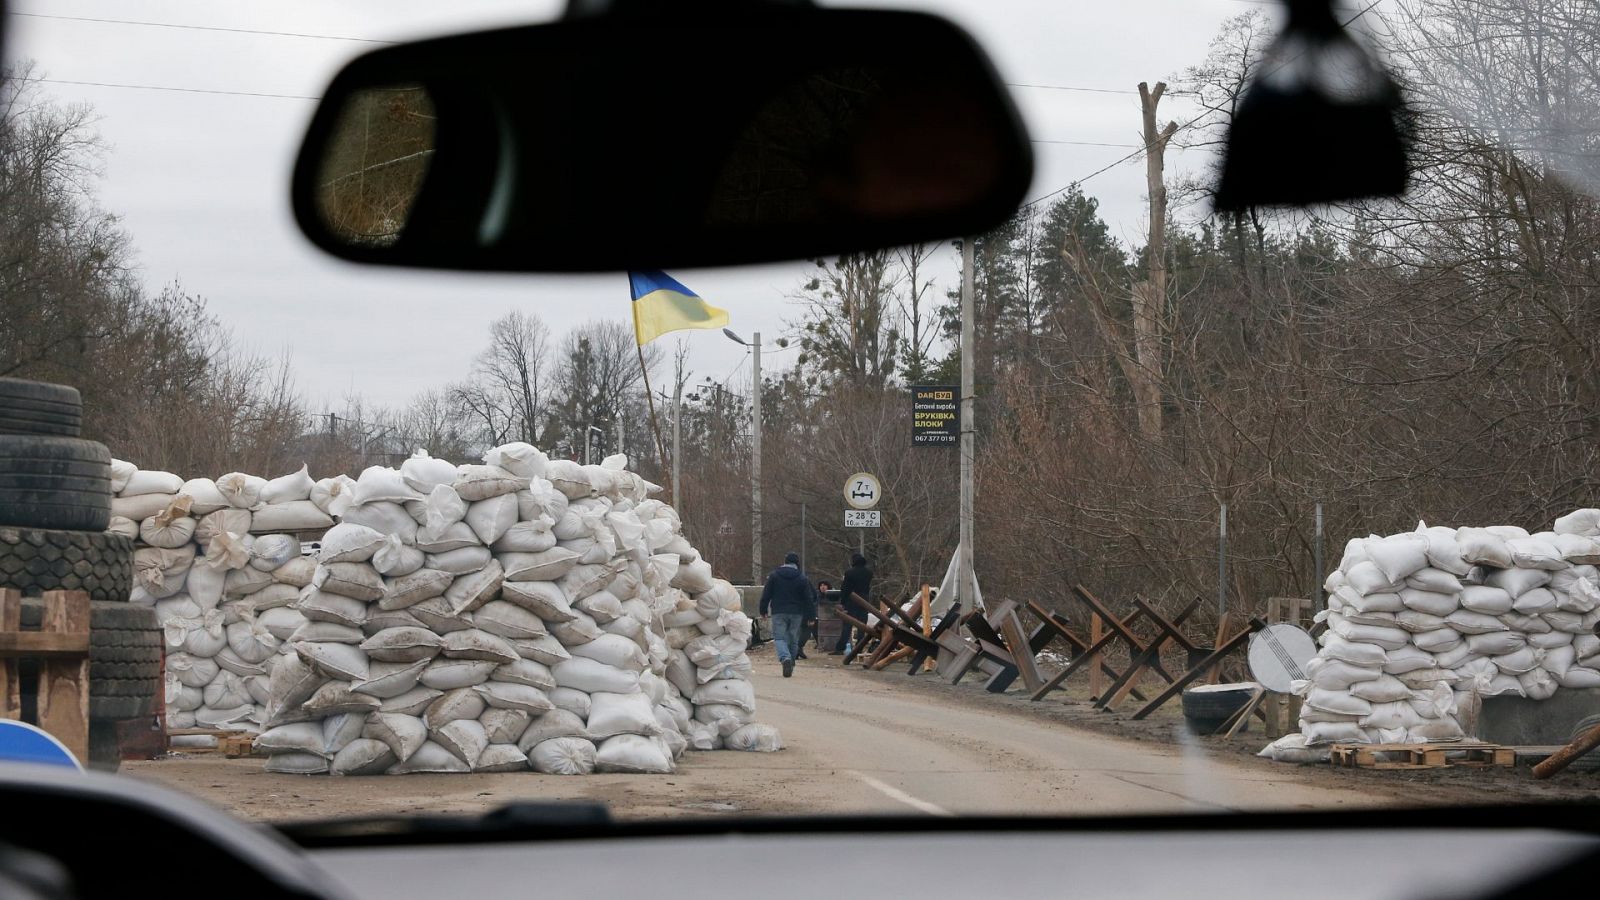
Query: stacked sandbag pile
{"type": "Point", "coordinates": [499, 617]}
{"type": "Point", "coordinates": [211, 560]}
{"type": "Point", "coordinates": [1422, 624]}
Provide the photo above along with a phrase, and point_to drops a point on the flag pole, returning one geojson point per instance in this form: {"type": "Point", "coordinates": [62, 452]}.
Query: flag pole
{"type": "Point", "coordinates": [655, 426]}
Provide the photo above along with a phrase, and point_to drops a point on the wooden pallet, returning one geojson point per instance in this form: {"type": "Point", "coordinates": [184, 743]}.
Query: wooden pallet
{"type": "Point", "coordinates": [1421, 756]}
{"type": "Point", "coordinates": [232, 744]}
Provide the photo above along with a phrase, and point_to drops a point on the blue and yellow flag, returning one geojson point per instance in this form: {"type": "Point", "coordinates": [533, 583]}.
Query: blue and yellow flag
{"type": "Point", "coordinates": [661, 304]}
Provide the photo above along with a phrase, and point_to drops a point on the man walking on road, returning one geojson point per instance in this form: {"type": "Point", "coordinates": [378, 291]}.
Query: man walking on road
{"type": "Point", "coordinates": [792, 601]}
{"type": "Point", "coordinates": [857, 583]}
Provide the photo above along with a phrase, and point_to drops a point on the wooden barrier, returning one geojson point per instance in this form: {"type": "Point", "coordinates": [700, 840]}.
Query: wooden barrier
{"type": "Point", "coordinates": [61, 645]}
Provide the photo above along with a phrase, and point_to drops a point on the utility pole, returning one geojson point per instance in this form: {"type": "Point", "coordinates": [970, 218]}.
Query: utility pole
{"type": "Point", "coordinates": [803, 538]}
{"type": "Point", "coordinates": [966, 585]}
{"type": "Point", "coordinates": [677, 443]}
{"type": "Point", "coordinates": [1150, 296]}
{"type": "Point", "coordinates": [755, 458]}
{"type": "Point", "coordinates": [1222, 561]}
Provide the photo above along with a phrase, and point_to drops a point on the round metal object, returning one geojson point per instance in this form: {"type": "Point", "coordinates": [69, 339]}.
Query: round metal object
{"type": "Point", "coordinates": [862, 491]}
{"type": "Point", "coordinates": [1279, 654]}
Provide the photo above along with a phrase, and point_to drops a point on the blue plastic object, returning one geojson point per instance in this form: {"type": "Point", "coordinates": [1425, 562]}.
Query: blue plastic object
{"type": "Point", "coordinates": [24, 743]}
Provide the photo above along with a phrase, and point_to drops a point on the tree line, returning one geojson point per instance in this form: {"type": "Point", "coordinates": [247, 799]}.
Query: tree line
{"type": "Point", "coordinates": [1428, 358]}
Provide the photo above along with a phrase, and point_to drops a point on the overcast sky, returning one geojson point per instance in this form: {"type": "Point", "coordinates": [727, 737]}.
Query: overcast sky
{"type": "Point", "coordinates": [200, 180]}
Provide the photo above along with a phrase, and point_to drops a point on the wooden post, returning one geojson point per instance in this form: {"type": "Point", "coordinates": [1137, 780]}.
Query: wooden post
{"type": "Point", "coordinates": [927, 618]}
{"type": "Point", "coordinates": [1097, 678]}
{"type": "Point", "coordinates": [62, 647]}
{"type": "Point", "coordinates": [1564, 757]}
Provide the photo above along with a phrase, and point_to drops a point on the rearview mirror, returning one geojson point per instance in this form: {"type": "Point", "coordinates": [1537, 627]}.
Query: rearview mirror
{"type": "Point", "coordinates": [662, 140]}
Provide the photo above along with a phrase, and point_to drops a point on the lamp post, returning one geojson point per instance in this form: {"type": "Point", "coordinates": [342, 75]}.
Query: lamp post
{"type": "Point", "coordinates": [588, 440]}
{"type": "Point", "coordinates": [755, 448]}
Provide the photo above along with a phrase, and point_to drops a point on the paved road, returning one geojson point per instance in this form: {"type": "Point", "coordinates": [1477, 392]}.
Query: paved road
{"type": "Point", "coordinates": [858, 743]}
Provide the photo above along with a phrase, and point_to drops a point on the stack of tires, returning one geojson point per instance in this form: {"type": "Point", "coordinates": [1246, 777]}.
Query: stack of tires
{"type": "Point", "coordinates": [55, 503]}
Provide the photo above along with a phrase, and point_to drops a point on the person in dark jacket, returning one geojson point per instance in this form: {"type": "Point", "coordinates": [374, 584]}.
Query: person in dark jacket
{"type": "Point", "coordinates": [791, 600]}
{"type": "Point", "coordinates": [857, 582]}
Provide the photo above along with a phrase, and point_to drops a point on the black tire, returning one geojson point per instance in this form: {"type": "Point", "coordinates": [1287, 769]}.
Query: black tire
{"type": "Point", "coordinates": [1589, 762]}
{"type": "Point", "coordinates": [35, 560]}
{"type": "Point", "coordinates": [54, 482]}
{"type": "Point", "coordinates": [39, 408]}
{"type": "Point", "coordinates": [124, 658]}
{"type": "Point", "coordinates": [1207, 710]}
{"type": "Point", "coordinates": [105, 751]}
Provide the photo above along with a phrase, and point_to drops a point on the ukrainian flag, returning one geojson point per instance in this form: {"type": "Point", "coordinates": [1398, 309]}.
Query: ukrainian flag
{"type": "Point", "coordinates": [661, 304]}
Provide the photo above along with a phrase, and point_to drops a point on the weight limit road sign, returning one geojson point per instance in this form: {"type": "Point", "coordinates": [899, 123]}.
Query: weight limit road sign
{"type": "Point", "coordinates": [862, 491]}
{"type": "Point", "coordinates": [861, 518]}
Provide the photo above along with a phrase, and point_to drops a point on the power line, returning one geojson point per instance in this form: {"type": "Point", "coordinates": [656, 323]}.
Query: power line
{"type": "Point", "coordinates": [293, 34]}
{"type": "Point", "coordinates": [1079, 143]}
{"type": "Point", "coordinates": [1066, 87]}
{"type": "Point", "coordinates": [180, 90]}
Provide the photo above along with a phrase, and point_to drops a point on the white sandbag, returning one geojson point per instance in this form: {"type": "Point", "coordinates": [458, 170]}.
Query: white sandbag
{"type": "Point", "coordinates": [446, 674]}
{"type": "Point", "coordinates": [525, 671]}
{"type": "Point", "coordinates": [1568, 621]}
{"type": "Point", "coordinates": [381, 484]}
{"type": "Point", "coordinates": [547, 565]}
{"type": "Point", "coordinates": [206, 636]}
{"type": "Point", "coordinates": [520, 459]}
{"type": "Point", "coordinates": [335, 698]}
{"type": "Point", "coordinates": [506, 695]}
{"type": "Point", "coordinates": [148, 481]}
{"type": "Point", "coordinates": [359, 581]}
{"type": "Point", "coordinates": [341, 661]}
{"type": "Point", "coordinates": [1402, 660]}
{"type": "Point", "coordinates": [121, 472]}
{"type": "Point", "coordinates": [1557, 660]}
{"type": "Point", "coordinates": [403, 645]}
{"type": "Point", "coordinates": [614, 714]}
{"type": "Point", "coordinates": [693, 577]}
{"type": "Point", "coordinates": [1587, 645]}
{"type": "Point", "coordinates": [1577, 549]}
{"type": "Point", "coordinates": [169, 528]}
{"type": "Point", "coordinates": [1537, 684]}
{"type": "Point", "coordinates": [335, 495]}
{"type": "Point", "coordinates": [260, 596]}
{"type": "Point", "coordinates": [437, 615]}
{"type": "Point", "coordinates": [569, 478]}
{"type": "Point", "coordinates": [1435, 731]}
{"type": "Point", "coordinates": [1468, 622]}
{"type": "Point", "coordinates": [475, 483]}
{"type": "Point", "coordinates": [563, 756]}
{"type": "Point", "coordinates": [463, 560]}
{"type": "Point", "coordinates": [474, 589]}
{"type": "Point", "coordinates": [1382, 689]}
{"type": "Point", "coordinates": [463, 737]}
{"type": "Point", "coordinates": [422, 473]}
{"type": "Point", "coordinates": [1333, 733]}
{"type": "Point", "coordinates": [141, 506]}
{"type": "Point", "coordinates": [546, 649]}
{"type": "Point", "coordinates": [544, 599]}
{"type": "Point", "coordinates": [1391, 715]}
{"type": "Point", "coordinates": [430, 758]}
{"type": "Point", "coordinates": [1382, 601]}
{"type": "Point", "coordinates": [1417, 623]}
{"type": "Point", "coordinates": [288, 488]}
{"type": "Point", "coordinates": [505, 726]}
{"type": "Point", "coordinates": [1434, 604]}
{"type": "Point", "coordinates": [251, 641]}
{"type": "Point", "coordinates": [1580, 521]}
{"type": "Point", "coordinates": [378, 619]}
{"type": "Point", "coordinates": [1581, 596]}
{"type": "Point", "coordinates": [1397, 556]}
{"type": "Point", "coordinates": [413, 702]}
{"type": "Point", "coordinates": [1579, 677]}
{"type": "Point", "coordinates": [584, 580]}
{"type": "Point", "coordinates": [322, 606]}
{"type": "Point", "coordinates": [296, 764]}
{"type": "Point", "coordinates": [501, 757]}
{"type": "Point", "coordinates": [1497, 643]}
{"type": "Point", "coordinates": [477, 644]}
{"type": "Point", "coordinates": [330, 632]}
{"type": "Point", "coordinates": [454, 536]}
{"type": "Point", "coordinates": [589, 676]}
{"type": "Point", "coordinates": [1483, 547]}
{"type": "Point", "coordinates": [508, 620]}
{"type": "Point", "coordinates": [363, 756]}
{"type": "Point", "coordinates": [1341, 702]}
{"type": "Point", "coordinates": [1517, 582]}
{"type": "Point", "coordinates": [526, 537]}
{"type": "Point", "coordinates": [385, 517]}
{"type": "Point", "coordinates": [1292, 748]}
{"type": "Point", "coordinates": [557, 723]}
{"type": "Point", "coordinates": [1485, 599]}
{"type": "Point", "coordinates": [580, 629]}
{"type": "Point", "coordinates": [491, 518]}
{"type": "Point", "coordinates": [632, 753]}
{"type": "Point", "coordinates": [1426, 679]}
{"type": "Point", "coordinates": [297, 737]}
{"type": "Point", "coordinates": [350, 542]}
{"type": "Point", "coordinates": [461, 703]}
{"type": "Point", "coordinates": [222, 521]}
{"type": "Point", "coordinates": [178, 606]}
{"type": "Point", "coordinates": [393, 559]}
{"type": "Point", "coordinates": [1537, 552]}
{"type": "Point", "coordinates": [1535, 601]}
{"type": "Point", "coordinates": [728, 692]}
{"type": "Point", "coordinates": [613, 650]}
{"type": "Point", "coordinates": [295, 515]}
{"type": "Point", "coordinates": [406, 591]}
{"type": "Point", "coordinates": [272, 551]}
{"type": "Point", "coordinates": [192, 671]}
{"type": "Point", "coordinates": [1550, 640]}
{"type": "Point", "coordinates": [230, 662]}
{"type": "Point", "coordinates": [125, 527]}
{"type": "Point", "coordinates": [390, 679]}
{"type": "Point", "coordinates": [602, 606]}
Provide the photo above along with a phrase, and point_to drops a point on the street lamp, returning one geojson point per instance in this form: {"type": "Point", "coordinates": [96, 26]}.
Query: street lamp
{"type": "Point", "coordinates": [755, 448]}
{"type": "Point", "coordinates": [588, 436]}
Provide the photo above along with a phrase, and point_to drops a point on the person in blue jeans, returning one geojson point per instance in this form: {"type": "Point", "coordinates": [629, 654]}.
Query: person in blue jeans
{"type": "Point", "coordinates": [790, 599]}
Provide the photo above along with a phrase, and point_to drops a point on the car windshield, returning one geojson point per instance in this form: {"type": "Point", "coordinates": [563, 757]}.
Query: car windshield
{"type": "Point", "coordinates": [1266, 504]}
